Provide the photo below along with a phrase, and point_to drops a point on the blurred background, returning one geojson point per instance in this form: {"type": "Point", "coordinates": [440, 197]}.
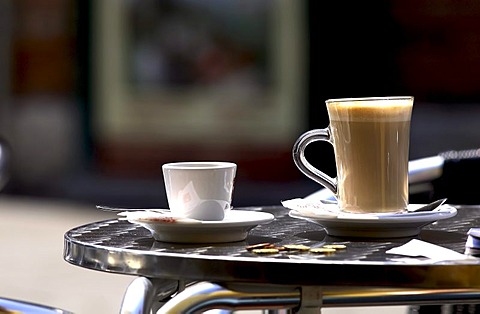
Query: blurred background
{"type": "Point", "coordinates": [96, 95]}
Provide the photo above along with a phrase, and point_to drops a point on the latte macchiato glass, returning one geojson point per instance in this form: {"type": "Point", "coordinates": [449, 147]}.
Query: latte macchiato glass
{"type": "Point", "coordinates": [370, 137]}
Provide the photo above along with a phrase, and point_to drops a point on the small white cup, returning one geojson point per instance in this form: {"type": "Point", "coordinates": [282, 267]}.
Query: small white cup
{"type": "Point", "coordinates": [199, 189]}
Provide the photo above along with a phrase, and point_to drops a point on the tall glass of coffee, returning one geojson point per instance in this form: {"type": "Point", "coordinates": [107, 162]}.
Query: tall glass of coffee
{"type": "Point", "coordinates": [370, 137]}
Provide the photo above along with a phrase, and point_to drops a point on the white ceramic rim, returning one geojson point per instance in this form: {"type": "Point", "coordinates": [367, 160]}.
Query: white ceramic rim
{"type": "Point", "coordinates": [199, 165]}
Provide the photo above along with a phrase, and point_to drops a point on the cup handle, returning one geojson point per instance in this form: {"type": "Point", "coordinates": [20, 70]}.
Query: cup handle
{"type": "Point", "coordinates": [302, 163]}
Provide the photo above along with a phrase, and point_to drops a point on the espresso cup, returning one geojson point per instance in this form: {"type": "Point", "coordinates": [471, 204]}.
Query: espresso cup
{"type": "Point", "coordinates": [370, 137]}
{"type": "Point", "coordinates": [199, 190]}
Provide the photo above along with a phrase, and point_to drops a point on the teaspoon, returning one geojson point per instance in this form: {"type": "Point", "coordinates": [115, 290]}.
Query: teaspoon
{"type": "Point", "coordinates": [119, 209]}
{"type": "Point", "coordinates": [429, 207]}
{"type": "Point", "coordinates": [425, 208]}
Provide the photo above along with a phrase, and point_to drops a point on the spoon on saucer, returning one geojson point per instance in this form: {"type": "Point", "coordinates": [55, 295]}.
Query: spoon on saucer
{"type": "Point", "coordinates": [119, 209]}
{"type": "Point", "coordinates": [429, 207]}
{"type": "Point", "coordinates": [425, 208]}
{"type": "Point", "coordinates": [206, 210]}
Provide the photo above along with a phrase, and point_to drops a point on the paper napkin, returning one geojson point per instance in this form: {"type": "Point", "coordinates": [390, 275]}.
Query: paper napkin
{"type": "Point", "coordinates": [318, 209]}
{"type": "Point", "coordinates": [415, 248]}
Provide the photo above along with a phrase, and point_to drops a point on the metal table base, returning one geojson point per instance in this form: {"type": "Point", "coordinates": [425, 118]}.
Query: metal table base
{"type": "Point", "coordinates": [142, 298]}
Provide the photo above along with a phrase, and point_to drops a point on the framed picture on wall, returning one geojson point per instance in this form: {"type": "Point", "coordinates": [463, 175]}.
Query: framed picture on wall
{"type": "Point", "coordinates": [216, 76]}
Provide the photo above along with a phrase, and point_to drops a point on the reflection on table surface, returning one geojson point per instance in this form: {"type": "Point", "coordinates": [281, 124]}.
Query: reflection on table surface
{"type": "Point", "coordinates": [119, 246]}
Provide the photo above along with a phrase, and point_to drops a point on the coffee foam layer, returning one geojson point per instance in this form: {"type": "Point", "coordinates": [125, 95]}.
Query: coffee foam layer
{"type": "Point", "coordinates": [374, 110]}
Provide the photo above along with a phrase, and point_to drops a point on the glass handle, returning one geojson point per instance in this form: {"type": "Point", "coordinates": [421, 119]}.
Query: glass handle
{"type": "Point", "coordinates": [302, 163]}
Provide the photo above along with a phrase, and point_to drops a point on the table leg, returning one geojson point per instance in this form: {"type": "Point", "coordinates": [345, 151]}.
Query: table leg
{"type": "Point", "coordinates": [144, 296]}
{"type": "Point", "coordinates": [306, 300]}
{"type": "Point", "coordinates": [311, 300]}
{"type": "Point", "coordinates": [206, 296]}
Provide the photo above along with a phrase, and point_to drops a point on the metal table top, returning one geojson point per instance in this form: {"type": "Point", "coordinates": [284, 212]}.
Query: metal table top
{"type": "Point", "coordinates": [121, 247]}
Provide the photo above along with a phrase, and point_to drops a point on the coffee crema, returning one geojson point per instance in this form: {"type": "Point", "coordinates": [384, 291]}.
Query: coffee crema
{"type": "Point", "coordinates": [374, 110]}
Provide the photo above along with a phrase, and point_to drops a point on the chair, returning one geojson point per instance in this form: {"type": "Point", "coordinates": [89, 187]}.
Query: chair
{"type": "Point", "coordinates": [11, 306]}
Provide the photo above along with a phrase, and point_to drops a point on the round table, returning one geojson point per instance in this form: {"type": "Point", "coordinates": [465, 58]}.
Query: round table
{"type": "Point", "coordinates": [361, 274]}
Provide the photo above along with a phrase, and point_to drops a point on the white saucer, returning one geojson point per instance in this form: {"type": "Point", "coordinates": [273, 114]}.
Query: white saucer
{"type": "Point", "coordinates": [234, 227]}
{"type": "Point", "coordinates": [382, 225]}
